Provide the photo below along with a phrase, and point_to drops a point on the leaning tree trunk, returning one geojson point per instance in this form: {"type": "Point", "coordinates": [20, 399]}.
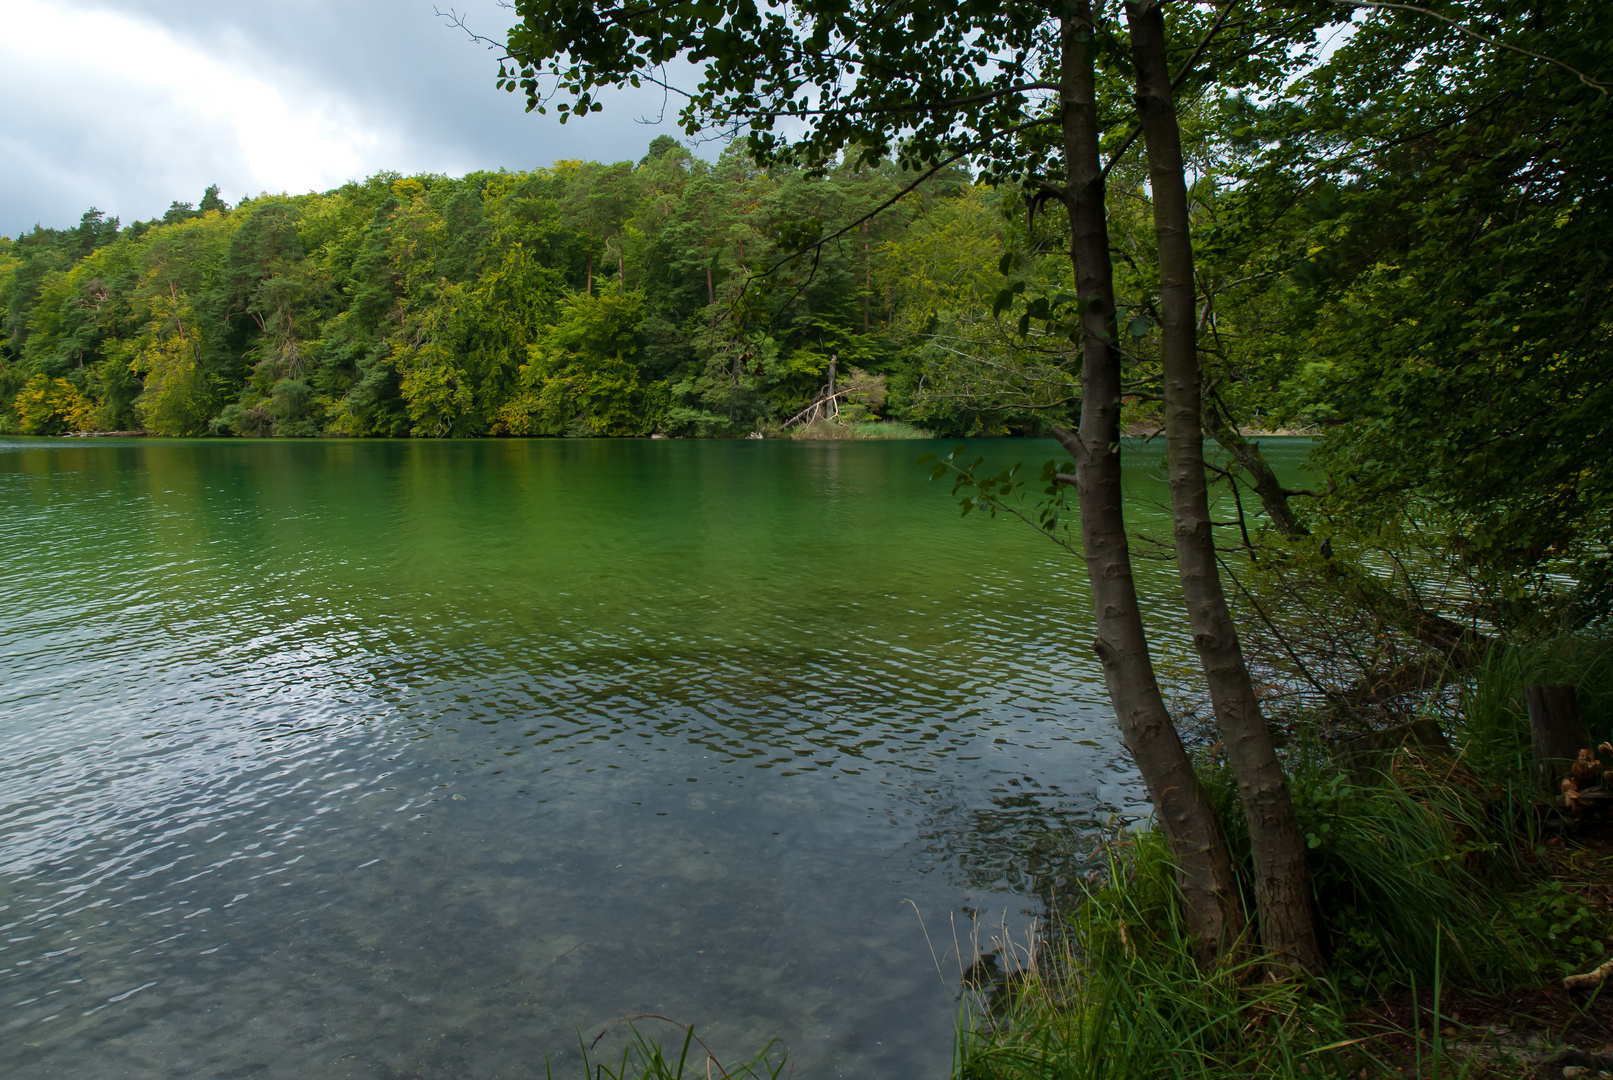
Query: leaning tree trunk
{"type": "Point", "coordinates": [1282, 881]}
{"type": "Point", "coordinates": [1204, 867]}
{"type": "Point", "coordinates": [1273, 496]}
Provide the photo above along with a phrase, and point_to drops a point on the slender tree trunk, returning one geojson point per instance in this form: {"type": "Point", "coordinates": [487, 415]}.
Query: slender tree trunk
{"type": "Point", "coordinates": [589, 287]}
{"type": "Point", "coordinates": [1282, 881]}
{"type": "Point", "coordinates": [1247, 454]}
{"type": "Point", "coordinates": [868, 276]}
{"type": "Point", "coordinates": [1204, 867]}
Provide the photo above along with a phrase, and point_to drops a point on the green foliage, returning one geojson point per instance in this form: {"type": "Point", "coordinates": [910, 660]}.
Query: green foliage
{"type": "Point", "coordinates": [1048, 509]}
{"type": "Point", "coordinates": [174, 400]}
{"type": "Point", "coordinates": [1493, 719]}
{"type": "Point", "coordinates": [1429, 874]}
{"type": "Point", "coordinates": [1422, 235]}
{"type": "Point", "coordinates": [1408, 876]}
{"type": "Point", "coordinates": [50, 406]}
{"type": "Point", "coordinates": [589, 299]}
{"type": "Point", "coordinates": [581, 379]}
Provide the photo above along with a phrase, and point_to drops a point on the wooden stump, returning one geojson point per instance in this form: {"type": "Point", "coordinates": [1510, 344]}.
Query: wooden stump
{"type": "Point", "coordinates": [1556, 732]}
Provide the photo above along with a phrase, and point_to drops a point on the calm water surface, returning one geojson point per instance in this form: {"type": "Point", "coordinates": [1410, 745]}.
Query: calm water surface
{"type": "Point", "coordinates": [419, 759]}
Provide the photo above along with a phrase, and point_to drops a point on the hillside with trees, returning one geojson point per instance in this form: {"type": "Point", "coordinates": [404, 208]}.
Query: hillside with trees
{"type": "Point", "coordinates": [585, 299]}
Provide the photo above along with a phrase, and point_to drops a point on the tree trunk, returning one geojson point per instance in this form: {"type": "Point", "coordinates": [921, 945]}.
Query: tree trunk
{"type": "Point", "coordinates": [1273, 497]}
{"type": "Point", "coordinates": [1282, 880]}
{"type": "Point", "coordinates": [589, 287]}
{"type": "Point", "coordinates": [1204, 867]}
{"type": "Point", "coordinates": [1556, 732]}
{"type": "Point", "coordinates": [868, 276]}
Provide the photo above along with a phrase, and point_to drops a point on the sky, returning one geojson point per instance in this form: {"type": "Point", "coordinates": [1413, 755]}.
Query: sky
{"type": "Point", "coordinates": [127, 105]}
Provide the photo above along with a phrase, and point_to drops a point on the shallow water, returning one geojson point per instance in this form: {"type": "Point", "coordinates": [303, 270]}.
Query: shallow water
{"type": "Point", "coordinates": [424, 758]}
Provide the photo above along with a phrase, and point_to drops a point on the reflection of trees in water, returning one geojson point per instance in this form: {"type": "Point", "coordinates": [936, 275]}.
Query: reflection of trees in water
{"type": "Point", "coordinates": [1032, 839]}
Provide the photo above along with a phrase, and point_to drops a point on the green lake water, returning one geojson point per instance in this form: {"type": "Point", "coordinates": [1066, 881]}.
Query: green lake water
{"type": "Point", "coordinates": [387, 759]}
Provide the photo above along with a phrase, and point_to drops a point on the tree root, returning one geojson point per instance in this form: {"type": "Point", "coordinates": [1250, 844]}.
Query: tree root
{"type": "Point", "coordinates": [1590, 978]}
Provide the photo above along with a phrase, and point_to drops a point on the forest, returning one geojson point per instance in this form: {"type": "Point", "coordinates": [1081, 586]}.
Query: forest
{"type": "Point", "coordinates": [680, 296]}
{"type": "Point", "coordinates": [582, 299]}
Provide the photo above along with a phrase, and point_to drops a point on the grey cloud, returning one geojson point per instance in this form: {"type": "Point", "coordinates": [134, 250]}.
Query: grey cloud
{"type": "Point", "coordinates": [400, 68]}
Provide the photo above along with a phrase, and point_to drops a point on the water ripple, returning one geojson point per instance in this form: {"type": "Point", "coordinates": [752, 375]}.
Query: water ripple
{"type": "Point", "coordinates": [399, 757]}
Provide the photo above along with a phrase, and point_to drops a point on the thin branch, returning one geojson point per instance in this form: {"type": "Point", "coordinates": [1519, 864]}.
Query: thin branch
{"type": "Point", "coordinates": [1594, 84]}
{"type": "Point", "coordinates": [1278, 634]}
{"type": "Point", "coordinates": [1237, 499]}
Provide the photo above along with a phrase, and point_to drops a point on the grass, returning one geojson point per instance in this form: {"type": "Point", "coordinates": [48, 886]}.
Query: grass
{"type": "Point", "coordinates": [1436, 881]}
{"type": "Point", "coordinates": [1120, 996]}
{"type": "Point", "coordinates": [645, 1058]}
{"type": "Point", "coordinates": [1492, 720]}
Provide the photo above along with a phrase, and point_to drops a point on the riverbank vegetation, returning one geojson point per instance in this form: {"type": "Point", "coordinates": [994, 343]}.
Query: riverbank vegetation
{"type": "Point", "coordinates": [1454, 902]}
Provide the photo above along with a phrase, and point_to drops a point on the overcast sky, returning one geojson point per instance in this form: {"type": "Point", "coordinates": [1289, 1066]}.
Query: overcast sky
{"type": "Point", "coordinates": [126, 105]}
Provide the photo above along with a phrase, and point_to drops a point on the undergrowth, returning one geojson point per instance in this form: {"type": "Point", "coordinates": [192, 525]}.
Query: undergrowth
{"type": "Point", "coordinates": [1435, 872]}
{"type": "Point", "coordinates": [1491, 721]}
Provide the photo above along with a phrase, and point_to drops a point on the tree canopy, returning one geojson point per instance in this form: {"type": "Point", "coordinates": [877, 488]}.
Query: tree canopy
{"type": "Point", "coordinates": [583, 299]}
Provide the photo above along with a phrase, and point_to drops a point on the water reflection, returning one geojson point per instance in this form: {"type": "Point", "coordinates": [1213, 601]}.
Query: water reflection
{"type": "Point", "coordinates": [414, 759]}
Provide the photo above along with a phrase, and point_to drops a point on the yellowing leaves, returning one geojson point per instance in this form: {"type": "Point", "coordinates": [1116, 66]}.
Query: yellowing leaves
{"type": "Point", "coordinates": [175, 399]}
{"type": "Point", "coordinates": [49, 406]}
{"type": "Point", "coordinates": [435, 390]}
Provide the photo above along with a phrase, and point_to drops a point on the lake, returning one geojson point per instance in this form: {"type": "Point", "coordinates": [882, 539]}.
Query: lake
{"type": "Point", "coordinates": [410, 758]}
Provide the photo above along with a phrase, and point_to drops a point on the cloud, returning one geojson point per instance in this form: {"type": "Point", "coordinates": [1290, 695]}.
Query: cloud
{"type": "Point", "coordinates": [129, 104]}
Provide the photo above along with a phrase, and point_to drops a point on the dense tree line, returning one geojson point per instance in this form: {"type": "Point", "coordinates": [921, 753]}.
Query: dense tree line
{"type": "Point", "coordinates": [585, 299]}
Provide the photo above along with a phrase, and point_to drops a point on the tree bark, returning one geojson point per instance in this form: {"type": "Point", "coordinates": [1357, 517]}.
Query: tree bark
{"type": "Point", "coordinates": [1556, 732]}
{"type": "Point", "coordinates": [1203, 865]}
{"type": "Point", "coordinates": [1273, 497]}
{"type": "Point", "coordinates": [1282, 881]}
{"type": "Point", "coordinates": [868, 276]}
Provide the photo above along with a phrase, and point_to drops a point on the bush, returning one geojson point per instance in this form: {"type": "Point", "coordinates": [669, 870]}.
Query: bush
{"type": "Point", "coordinates": [51, 406]}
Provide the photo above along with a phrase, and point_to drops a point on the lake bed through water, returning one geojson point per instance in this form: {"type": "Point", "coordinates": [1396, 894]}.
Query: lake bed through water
{"type": "Point", "coordinates": [410, 758]}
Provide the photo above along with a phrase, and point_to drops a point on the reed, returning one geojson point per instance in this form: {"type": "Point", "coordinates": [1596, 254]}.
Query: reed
{"type": "Point", "coordinates": [643, 1057]}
